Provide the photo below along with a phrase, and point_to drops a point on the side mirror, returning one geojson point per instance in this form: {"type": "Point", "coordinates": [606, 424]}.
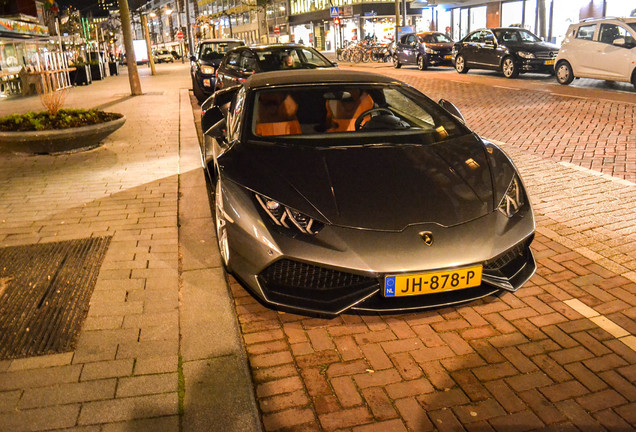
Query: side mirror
{"type": "Point", "coordinates": [210, 118]}
{"type": "Point", "coordinates": [193, 58]}
{"type": "Point", "coordinates": [619, 42]}
{"type": "Point", "coordinates": [218, 131]}
{"type": "Point", "coordinates": [335, 64]}
{"type": "Point", "coordinates": [448, 106]}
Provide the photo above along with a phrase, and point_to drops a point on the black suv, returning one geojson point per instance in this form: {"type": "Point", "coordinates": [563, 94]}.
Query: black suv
{"type": "Point", "coordinates": [510, 50]}
{"type": "Point", "coordinates": [423, 49]}
{"type": "Point", "coordinates": [203, 65]}
{"type": "Point", "coordinates": [242, 62]}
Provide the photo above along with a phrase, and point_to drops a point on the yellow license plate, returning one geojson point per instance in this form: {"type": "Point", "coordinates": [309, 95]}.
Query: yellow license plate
{"type": "Point", "coordinates": [206, 82]}
{"type": "Point", "coordinates": [549, 62]}
{"type": "Point", "coordinates": [431, 282]}
{"type": "Point", "coordinates": [448, 57]}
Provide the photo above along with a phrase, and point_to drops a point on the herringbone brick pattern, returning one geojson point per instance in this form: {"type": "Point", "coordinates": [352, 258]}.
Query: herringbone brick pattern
{"type": "Point", "coordinates": [523, 361]}
{"type": "Point", "coordinates": [595, 134]}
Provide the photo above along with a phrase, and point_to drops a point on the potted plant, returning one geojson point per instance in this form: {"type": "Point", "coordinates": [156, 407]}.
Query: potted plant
{"type": "Point", "coordinates": [56, 130]}
{"type": "Point", "coordinates": [96, 70]}
{"type": "Point", "coordinates": [82, 74]}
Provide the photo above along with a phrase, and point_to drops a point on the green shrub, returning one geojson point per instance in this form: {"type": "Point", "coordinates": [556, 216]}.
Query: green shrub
{"type": "Point", "coordinates": [64, 119]}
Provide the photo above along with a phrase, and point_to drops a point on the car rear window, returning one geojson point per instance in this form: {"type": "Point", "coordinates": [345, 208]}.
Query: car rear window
{"type": "Point", "coordinates": [291, 58]}
{"type": "Point", "coordinates": [216, 50]}
{"type": "Point", "coordinates": [313, 111]}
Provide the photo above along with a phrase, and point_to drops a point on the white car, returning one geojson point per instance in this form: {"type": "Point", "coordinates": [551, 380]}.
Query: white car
{"type": "Point", "coordinates": [598, 48]}
{"type": "Point", "coordinates": [163, 56]}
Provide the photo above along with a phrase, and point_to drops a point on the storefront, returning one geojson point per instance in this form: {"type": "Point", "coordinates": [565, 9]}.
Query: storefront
{"type": "Point", "coordinates": [20, 44]}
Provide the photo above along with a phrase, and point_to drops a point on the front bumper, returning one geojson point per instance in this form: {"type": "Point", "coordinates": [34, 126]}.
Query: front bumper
{"type": "Point", "coordinates": [206, 83]}
{"type": "Point", "coordinates": [536, 65]}
{"type": "Point", "coordinates": [441, 59]}
{"type": "Point", "coordinates": [344, 268]}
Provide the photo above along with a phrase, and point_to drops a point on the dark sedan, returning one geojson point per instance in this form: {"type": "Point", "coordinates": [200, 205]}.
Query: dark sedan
{"type": "Point", "coordinates": [241, 63]}
{"type": "Point", "coordinates": [510, 50]}
{"type": "Point", "coordinates": [339, 190]}
{"type": "Point", "coordinates": [204, 63]}
{"type": "Point", "coordinates": [424, 50]}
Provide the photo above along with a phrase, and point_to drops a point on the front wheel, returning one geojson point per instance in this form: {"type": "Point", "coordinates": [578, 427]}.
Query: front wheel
{"type": "Point", "coordinates": [422, 64]}
{"type": "Point", "coordinates": [221, 227]}
{"type": "Point", "coordinates": [564, 74]}
{"type": "Point", "coordinates": [396, 62]}
{"type": "Point", "coordinates": [509, 68]}
{"type": "Point", "coordinates": [460, 65]}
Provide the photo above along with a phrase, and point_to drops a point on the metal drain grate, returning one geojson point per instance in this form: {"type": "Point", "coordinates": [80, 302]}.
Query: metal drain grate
{"type": "Point", "coordinates": [44, 294]}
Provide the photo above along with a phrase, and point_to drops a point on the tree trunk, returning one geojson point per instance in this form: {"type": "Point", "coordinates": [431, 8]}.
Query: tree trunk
{"type": "Point", "coordinates": [131, 61]}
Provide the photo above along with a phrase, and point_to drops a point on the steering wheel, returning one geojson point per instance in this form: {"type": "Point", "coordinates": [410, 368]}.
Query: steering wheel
{"type": "Point", "coordinates": [358, 123]}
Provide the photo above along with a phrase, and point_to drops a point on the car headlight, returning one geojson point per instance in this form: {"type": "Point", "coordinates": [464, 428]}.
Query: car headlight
{"type": "Point", "coordinates": [208, 70]}
{"type": "Point", "coordinates": [513, 199]}
{"type": "Point", "coordinates": [287, 217]}
{"type": "Point", "coordinates": [525, 54]}
{"type": "Point", "coordinates": [431, 51]}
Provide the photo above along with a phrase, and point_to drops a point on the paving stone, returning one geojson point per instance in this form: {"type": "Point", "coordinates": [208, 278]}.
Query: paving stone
{"type": "Point", "coordinates": [57, 417]}
{"type": "Point", "coordinates": [68, 393]}
{"type": "Point", "coordinates": [128, 408]}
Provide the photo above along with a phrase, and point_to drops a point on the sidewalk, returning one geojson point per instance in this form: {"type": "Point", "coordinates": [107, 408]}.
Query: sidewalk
{"type": "Point", "coordinates": [160, 338]}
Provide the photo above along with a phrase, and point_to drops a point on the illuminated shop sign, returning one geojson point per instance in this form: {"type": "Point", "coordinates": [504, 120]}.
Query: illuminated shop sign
{"type": "Point", "coordinates": [19, 27]}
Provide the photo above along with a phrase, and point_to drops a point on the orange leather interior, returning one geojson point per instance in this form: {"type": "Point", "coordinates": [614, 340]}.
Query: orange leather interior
{"type": "Point", "coordinates": [277, 115]}
{"type": "Point", "coordinates": [342, 114]}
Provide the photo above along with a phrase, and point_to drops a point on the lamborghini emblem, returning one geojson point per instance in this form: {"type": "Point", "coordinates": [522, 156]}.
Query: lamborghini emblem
{"type": "Point", "coordinates": [427, 236]}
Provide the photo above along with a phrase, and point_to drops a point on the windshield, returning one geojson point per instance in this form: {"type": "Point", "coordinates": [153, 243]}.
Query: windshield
{"type": "Point", "coordinates": [163, 53]}
{"type": "Point", "coordinates": [291, 58]}
{"type": "Point", "coordinates": [518, 36]}
{"type": "Point", "coordinates": [216, 50]}
{"type": "Point", "coordinates": [314, 111]}
{"type": "Point", "coordinates": [435, 38]}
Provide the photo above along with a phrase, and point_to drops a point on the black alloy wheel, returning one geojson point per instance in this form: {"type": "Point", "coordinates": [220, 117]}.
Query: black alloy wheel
{"type": "Point", "coordinates": [460, 64]}
{"type": "Point", "coordinates": [422, 64]}
{"type": "Point", "coordinates": [509, 67]}
{"type": "Point", "coordinates": [396, 62]}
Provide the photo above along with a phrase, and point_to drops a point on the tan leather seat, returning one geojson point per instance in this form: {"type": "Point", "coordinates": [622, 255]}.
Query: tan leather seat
{"type": "Point", "coordinates": [342, 114]}
{"type": "Point", "coordinates": [277, 115]}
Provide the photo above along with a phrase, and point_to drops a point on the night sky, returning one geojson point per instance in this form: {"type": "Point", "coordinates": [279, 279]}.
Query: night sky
{"type": "Point", "coordinates": [85, 5]}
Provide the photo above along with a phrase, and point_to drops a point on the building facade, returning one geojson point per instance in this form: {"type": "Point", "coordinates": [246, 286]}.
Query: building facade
{"type": "Point", "coordinates": [312, 22]}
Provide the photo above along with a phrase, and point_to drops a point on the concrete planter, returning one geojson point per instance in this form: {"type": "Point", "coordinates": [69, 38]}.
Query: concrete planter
{"type": "Point", "coordinates": [60, 140]}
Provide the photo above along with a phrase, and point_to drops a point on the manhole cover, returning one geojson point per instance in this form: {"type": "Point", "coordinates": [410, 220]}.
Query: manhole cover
{"type": "Point", "coordinates": [44, 294]}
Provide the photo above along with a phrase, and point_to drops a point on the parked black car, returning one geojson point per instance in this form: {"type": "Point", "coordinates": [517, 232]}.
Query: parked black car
{"type": "Point", "coordinates": [510, 50]}
{"type": "Point", "coordinates": [204, 63]}
{"type": "Point", "coordinates": [424, 50]}
{"type": "Point", "coordinates": [240, 63]}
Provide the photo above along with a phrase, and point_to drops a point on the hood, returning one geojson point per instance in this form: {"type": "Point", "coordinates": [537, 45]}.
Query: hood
{"type": "Point", "coordinates": [440, 46]}
{"type": "Point", "coordinates": [532, 46]}
{"type": "Point", "coordinates": [380, 188]}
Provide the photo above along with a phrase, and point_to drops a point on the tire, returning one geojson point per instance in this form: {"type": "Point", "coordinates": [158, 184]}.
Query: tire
{"type": "Point", "coordinates": [564, 74]}
{"type": "Point", "coordinates": [221, 230]}
{"type": "Point", "coordinates": [509, 67]}
{"type": "Point", "coordinates": [422, 64]}
{"type": "Point", "coordinates": [198, 93]}
{"type": "Point", "coordinates": [396, 62]}
{"type": "Point", "coordinates": [634, 79]}
{"type": "Point", "coordinates": [356, 57]}
{"type": "Point", "coordinates": [460, 64]}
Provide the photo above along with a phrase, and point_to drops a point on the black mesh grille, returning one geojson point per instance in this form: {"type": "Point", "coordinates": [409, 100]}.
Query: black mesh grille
{"type": "Point", "coordinates": [300, 275]}
{"type": "Point", "coordinates": [507, 257]}
{"type": "Point", "coordinates": [311, 287]}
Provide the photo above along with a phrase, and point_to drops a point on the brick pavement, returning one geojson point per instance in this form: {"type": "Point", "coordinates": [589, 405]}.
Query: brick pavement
{"type": "Point", "coordinates": [142, 361]}
{"type": "Point", "coordinates": [522, 361]}
{"type": "Point", "coordinates": [525, 361]}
